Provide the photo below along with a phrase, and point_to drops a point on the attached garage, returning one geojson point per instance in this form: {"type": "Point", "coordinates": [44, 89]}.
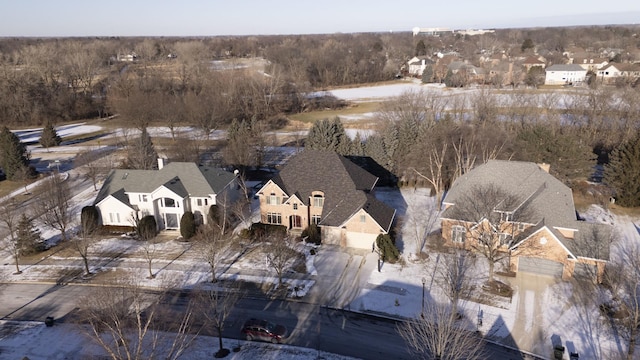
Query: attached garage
{"type": "Point", "coordinates": [360, 240]}
{"type": "Point", "coordinates": [540, 266]}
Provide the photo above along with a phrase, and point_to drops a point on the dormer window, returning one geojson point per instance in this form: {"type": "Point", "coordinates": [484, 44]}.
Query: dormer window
{"type": "Point", "coordinates": [318, 200]}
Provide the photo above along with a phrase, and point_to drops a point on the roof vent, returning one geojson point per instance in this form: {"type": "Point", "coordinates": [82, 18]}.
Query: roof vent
{"type": "Point", "coordinates": [124, 176]}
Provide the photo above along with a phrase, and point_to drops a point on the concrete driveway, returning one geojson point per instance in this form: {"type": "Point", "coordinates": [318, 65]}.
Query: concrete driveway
{"type": "Point", "coordinates": [529, 331]}
{"type": "Point", "coordinates": [342, 272]}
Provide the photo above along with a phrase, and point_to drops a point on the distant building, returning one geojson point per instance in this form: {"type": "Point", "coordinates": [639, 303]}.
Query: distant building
{"type": "Point", "coordinates": [418, 64]}
{"type": "Point", "coordinates": [563, 74]}
{"type": "Point", "coordinates": [431, 31]}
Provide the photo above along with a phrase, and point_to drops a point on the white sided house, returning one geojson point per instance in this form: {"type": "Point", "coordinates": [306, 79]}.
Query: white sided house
{"type": "Point", "coordinates": [166, 193]}
{"type": "Point", "coordinates": [565, 74]}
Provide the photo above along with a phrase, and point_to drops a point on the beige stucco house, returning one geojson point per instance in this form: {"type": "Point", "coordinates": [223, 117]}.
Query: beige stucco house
{"type": "Point", "coordinates": [165, 193]}
{"type": "Point", "coordinates": [324, 188]}
{"type": "Point", "coordinates": [549, 240]}
{"type": "Point", "coordinates": [565, 74]}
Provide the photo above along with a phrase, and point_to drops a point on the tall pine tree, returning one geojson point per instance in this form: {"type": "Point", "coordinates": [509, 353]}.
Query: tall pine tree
{"type": "Point", "coordinates": [330, 135]}
{"type": "Point", "coordinates": [49, 137]}
{"type": "Point", "coordinates": [29, 239]}
{"type": "Point", "coordinates": [623, 171]}
{"type": "Point", "coordinates": [14, 157]}
{"type": "Point", "coordinates": [141, 154]}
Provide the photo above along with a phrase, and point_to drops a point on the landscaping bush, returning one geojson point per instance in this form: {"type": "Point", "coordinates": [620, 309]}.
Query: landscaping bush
{"type": "Point", "coordinates": [147, 228]}
{"type": "Point", "coordinates": [261, 231]}
{"type": "Point", "coordinates": [387, 247]}
{"type": "Point", "coordinates": [187, 225]}
{"type": "Point", "coordinates": [312, 234]}
{"type": "Point", "coordinates": [90, 219]}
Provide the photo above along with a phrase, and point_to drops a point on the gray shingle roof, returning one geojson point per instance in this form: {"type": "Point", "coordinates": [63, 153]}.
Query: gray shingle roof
{"type": "Point", "coordinates": [185, 179]}
{"type": "Point", "coordinates": [566, 67]}
{"type": "Point", "coordinates": [549, 200]}
{"type": "Point", "coordinates": [344, 184]}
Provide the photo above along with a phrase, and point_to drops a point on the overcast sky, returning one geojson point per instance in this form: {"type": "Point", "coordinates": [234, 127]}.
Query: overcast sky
{"type": "Point", "coordinates": [59, 18]}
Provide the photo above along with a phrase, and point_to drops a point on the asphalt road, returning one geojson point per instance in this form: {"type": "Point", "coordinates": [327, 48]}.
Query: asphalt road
{"type": "Point", "coordinates": [311, 326]}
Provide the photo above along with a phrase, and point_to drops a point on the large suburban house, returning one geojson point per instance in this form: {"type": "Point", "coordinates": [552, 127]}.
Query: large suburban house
{"type": "Point", "coordinates": [166, 193]}
{"type": "Point", "coordinates": [548, 240]}
{"type": "Point", "coordinates": [418, 64]}
{"type": "Point", "coordinates": [619, 71]}
{"type": "Point", "coordinates": [324, 188]}
{"type": "Point", "coordinates": [563, 74]}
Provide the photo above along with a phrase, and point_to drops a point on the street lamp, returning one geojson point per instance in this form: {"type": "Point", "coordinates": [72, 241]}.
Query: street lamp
{"type": "Point", "coordinates": [424, 282]}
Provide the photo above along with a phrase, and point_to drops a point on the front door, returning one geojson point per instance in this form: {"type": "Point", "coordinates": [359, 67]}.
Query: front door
{"type": "Point", "coordinates": [171, 221]}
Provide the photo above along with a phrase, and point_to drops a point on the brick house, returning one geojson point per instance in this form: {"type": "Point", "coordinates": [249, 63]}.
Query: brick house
{"type": "Point", "coordinates": [166, 193]}
{"type": "Point", "coordinates": [549, 241]}
{"type": "Point", "coordinates": [324, 188]}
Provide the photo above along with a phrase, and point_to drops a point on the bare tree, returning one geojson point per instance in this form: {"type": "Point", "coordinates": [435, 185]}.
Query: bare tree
{"type": "Point", "coordinates": [214, 305]}
{"type": "Point", "coordinates": [9, 217]}
{"type": "Point", "coordinates": [490, 216]}
{"type": "Point", "coordinates": [439, 335]}
{"type": "Point", "coordinates": [420, 219]}
{"type": "Point", "coordinates": [53, 204]}
{"type": "Point", "coordinates": [435, 175]}
{"type": "Point", "coordinates": [150, 252]}
{"type": "Point", "coordinates": [83, 241]}
{"type": "Point", "coordinates": [129, 323]}
{"type": "Point", "coordinates": [88, 161]}
{"type": "Point", "coordinates": [279, 256]}
{"type": "Point", "coordinates": [623, 276]}
{"type": "Point", "coordinates": [212, 243]}
{"type": "Point", "coordinates": [456, 276]}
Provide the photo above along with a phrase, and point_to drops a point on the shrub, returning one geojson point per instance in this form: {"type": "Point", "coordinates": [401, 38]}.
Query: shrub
{"type": "Point", "coordinates": [147, 228]}
{"type": "Point", "coordinates": [261, 231]}
{"type": "Point", "coordinates": [312, 234]}
{"type": "Point", "coordinates": [388, 250]}
{"type": "Point", "coordinates": [187, 225]}
{"type": "Point", "coordinates": [90, 219]}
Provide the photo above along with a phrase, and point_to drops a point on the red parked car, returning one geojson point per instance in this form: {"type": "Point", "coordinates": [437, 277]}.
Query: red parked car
{"type": "Point", "coordinates": [255, 329]}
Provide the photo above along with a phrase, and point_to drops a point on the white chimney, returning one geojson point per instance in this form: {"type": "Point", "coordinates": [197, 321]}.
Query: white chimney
{"type": "Point", "coordinates": [160, 163]}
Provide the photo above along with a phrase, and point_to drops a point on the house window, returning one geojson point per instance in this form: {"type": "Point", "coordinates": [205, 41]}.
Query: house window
{"type": "Point", "coordinates": [114, 217]}
{"type": "Point", "coordinates": [168, 202]}
{"type": "Point", "coordinates": [273, 200]}
{"type": "Point", "coordinates": [458, 233]}
{"type": "Point", "coordinates": [318, 200]}
{"type": "Point", "coordinates": [274, 218]}
{"type": "Point", "coordinates": [142, 198]}
{"type": "Point", "coordinates": [363, 218]}
{"type": "Point", "coordinates": [505, 216]}
{"type": "Point", "coordinates": [295, 206]}
{"type": "Point", "coordinates": [206, 202]}
{"type": "Point", "coordinates": [521, 227]}
{"type": "Point", "coordinates": [505, 239]}
{"type": "Point", "coordinates": [315, 219]}
{"type": "Point", "coordinates": [199, 201]}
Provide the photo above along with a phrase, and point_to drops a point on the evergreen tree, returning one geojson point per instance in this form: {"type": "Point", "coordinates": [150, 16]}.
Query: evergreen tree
{"type": "Point", "coordinates": [49, 136]}
{"type": "Point", "coordinates": [421, 48]}
{"type": "Point", "coordinates": [29, 239]}
{"type": "Point", "coordinates": [330, 135]}
{"type": "Point", "coordinates": [427, 74]}
{"type": "Point", "coordinates": [388, 250]}
{"type": "Point", "coordinates": [14, 157]}
{"type": "Point", "coordinates": [527, 44]}
{"type": "Point", "coordinates": [147, 228]}
{"type": "Point", "coordinates": [187, 225]}
{"type": "Point", "coordinates": [90, 219]}
{"type": "Point", "coordinates": [142, 154]}
{"type": "Point", "coordinates": [623, 171]}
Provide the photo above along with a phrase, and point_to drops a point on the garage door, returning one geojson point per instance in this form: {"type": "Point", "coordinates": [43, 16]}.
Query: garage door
{"type": "Point", "coordinates": [360, 240]}
{"type": "Point", "coordinates": [540, 266]}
